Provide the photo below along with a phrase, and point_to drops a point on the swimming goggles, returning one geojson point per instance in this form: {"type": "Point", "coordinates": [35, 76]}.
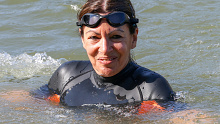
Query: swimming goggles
{"type": "Point", "coordinates": [114, 19]}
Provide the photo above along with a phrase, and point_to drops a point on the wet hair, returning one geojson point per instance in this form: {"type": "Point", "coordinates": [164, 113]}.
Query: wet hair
{"type": "Point", "coordinates": [108, 6]}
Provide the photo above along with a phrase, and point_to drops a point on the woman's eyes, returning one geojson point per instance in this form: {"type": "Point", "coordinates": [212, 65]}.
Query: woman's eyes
{"type": "Point", "coordinates": [116, 36]}
{"type": "Point", "coordinates": [112, 37]}
{"type": "Point", "coordinates": [94, 37]}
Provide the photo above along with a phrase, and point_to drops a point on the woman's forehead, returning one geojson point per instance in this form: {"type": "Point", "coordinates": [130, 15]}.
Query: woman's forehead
{"type": "Point", "coordinates": [105, 27]}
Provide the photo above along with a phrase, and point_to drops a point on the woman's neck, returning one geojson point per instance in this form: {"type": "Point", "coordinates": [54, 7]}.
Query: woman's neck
{"type": "Point", "coordinates": [124, 73]}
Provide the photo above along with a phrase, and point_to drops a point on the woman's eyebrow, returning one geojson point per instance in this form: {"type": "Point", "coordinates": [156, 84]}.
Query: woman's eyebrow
{"type": "Point", "coordinates": [118, 29]}
{"type": "Point", "coordinates": [92, 32]}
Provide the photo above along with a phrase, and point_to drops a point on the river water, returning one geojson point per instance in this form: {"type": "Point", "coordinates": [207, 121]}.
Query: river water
{"type": "Point", "coordinates": [178, 39]}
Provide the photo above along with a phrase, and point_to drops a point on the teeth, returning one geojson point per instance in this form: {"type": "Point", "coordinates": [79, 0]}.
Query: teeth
{"type": "Point", "coordinates": [107, 59]}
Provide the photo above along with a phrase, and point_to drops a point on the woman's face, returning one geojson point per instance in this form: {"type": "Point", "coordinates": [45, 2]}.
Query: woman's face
{"type": "Point", "coordinates": [108, 48]}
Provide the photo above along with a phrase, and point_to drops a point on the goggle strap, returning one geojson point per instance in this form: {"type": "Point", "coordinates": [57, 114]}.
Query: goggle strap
{"type": "Point", "coordinates": [79, 23]}
{"type": "Point", "coordinates": [134, 20]}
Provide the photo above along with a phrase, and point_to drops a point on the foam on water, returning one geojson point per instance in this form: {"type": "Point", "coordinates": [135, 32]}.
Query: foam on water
{"type": "Point", "coordinates": [75, 7]}
{"type": "Point", "coordinates": [24, 65]}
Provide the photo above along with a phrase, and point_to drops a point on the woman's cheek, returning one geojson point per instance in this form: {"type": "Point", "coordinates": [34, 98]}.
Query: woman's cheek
{"type": "Point", "coordinates": [92, 50]}
{"type": "Point", "coordinates": [121, 48]}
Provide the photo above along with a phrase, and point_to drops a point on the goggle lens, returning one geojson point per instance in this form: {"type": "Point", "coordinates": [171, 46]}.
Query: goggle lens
{"type": "Point", "coordinates": [90, 19]}
{"type": "Point", "coordinates": [117, 19]}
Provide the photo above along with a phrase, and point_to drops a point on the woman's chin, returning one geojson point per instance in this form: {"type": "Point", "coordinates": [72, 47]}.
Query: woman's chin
{"type": "Point", "coordinates": [107, 72]}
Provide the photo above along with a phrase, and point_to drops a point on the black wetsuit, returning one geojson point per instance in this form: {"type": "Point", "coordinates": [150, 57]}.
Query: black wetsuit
{"type": "Point", "coordinates": [77, 84]}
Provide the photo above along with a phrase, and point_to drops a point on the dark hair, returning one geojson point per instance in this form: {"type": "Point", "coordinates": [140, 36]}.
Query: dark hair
{"type": "Point", "coordinates": [105, 6]}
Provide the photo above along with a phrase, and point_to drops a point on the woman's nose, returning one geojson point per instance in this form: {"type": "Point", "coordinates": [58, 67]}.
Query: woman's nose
{"type": "Point", "coordinates": [105, 46]}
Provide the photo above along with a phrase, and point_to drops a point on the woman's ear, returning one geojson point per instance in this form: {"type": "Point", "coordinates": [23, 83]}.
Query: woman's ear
{"type": "Point", "coordinates": [134, 42]}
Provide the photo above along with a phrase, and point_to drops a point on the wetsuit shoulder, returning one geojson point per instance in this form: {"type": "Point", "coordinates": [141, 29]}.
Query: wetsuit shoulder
{"type": "Point", "coordinates": [68, 69]}
{"type": "Point", "coordinates": [153, 85]}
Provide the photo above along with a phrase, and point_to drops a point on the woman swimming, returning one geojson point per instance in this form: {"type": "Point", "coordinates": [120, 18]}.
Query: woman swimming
{"type": "Point", "coordinates": [108, 31]}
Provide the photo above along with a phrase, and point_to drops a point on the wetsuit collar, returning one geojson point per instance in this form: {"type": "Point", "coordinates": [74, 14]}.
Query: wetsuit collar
{"type": "Point", "coordinates": [116, 79]}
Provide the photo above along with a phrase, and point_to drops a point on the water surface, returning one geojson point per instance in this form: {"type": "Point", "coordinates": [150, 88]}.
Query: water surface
{"type": "Point", "coordinates": [178, 39]}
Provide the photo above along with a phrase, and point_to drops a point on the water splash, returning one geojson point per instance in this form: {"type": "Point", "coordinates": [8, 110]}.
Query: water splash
{"type": "Point", "coordinates": [24, 65]}
{"type": "Point", "coordinates": [75, 7]}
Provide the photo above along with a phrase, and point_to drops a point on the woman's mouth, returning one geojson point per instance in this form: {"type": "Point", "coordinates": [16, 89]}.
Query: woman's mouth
{"type": "Point", "coordinates": [106, 60]}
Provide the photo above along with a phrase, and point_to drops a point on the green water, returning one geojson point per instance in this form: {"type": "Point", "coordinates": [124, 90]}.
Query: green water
{"type": "Point", "coordinates": [178, 39]}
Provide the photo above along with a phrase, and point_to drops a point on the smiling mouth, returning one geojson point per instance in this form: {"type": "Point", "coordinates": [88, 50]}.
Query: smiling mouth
{"type": "Point", "coordinates": [107, 60]}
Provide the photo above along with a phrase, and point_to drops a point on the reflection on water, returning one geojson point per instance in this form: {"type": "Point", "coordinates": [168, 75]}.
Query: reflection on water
{"type": "Point", "coordinates": [178, 39]}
